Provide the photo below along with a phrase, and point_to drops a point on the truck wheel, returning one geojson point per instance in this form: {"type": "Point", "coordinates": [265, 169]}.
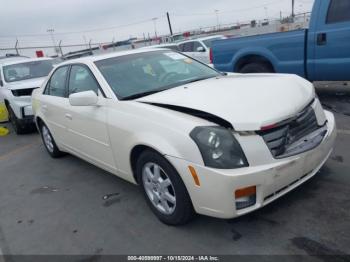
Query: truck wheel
{"type": "Point", "coordinates": [163, 189]}
{"type": "Point", "coordinates": [256, 68]}
{"type": "Point", "coordinates": [20, 130]}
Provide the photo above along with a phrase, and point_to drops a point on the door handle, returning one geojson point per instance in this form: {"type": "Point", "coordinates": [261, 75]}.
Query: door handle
{"type": "Point", "coordinates": [69, 116]}
{"type": "Point", "coordinates": [321, 39]}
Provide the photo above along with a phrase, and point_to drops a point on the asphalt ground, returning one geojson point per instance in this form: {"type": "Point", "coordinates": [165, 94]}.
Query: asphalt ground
{"type": "Point", "coordinates": [57, 206]}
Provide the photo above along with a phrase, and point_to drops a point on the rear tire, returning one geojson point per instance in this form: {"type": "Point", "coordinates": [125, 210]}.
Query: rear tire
{"type": "Point", "coordinates": [49, 142]}
{"type": "Point", "coordinates": [164, 189]}
{"type": "Point", "coordinates": [256, 68]}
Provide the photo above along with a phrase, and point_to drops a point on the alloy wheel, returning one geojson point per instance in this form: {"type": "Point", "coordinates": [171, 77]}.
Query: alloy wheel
{"type": "Point", "coordinates": [47, 139]}
{"type": "Point", "coordinates": [159, 188]}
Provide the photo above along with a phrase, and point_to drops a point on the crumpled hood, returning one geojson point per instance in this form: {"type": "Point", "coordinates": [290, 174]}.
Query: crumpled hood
{"type": "Point", "coordinates": [248, 102]}
{"type": "Point", "coordinates": [29, 83]}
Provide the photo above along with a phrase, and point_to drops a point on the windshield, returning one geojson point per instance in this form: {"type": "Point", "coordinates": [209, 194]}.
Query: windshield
{"type": "Point", "coordinates": [137, 75]}
{"type": "Point", "coordinates": [27, 70]}
{"type": "Point", "coordinates": [210, 41]}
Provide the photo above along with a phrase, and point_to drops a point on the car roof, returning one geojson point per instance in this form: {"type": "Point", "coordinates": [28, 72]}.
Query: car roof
{"type": "Point", "coordinates": [159, 46]}
{"type": "Point", "coordinates": [98, 57]}
{"type": "Point", "coordinates": [11, 58]}
{"type": "Point", "coordinates": [24, 60]}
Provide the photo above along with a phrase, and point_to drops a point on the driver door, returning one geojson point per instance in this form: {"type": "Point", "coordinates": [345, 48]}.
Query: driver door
{"type": "Point", "coordinates": [86, 125]}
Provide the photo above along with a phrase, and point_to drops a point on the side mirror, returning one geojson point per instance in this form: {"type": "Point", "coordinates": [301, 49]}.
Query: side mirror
{"type": "Point", "coordinates": [200, 49]}
{"type": "Point", "coordinates": [87, 98]}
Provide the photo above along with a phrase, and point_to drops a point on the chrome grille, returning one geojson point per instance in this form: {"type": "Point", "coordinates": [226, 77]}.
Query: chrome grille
{"type": "Point", "coordinates": [280, 138]}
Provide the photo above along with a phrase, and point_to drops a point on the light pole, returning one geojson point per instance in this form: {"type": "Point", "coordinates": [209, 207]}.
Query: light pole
{"type": "Point", "coordinates": [217, 19]}
{"type": "Point", "coordinates": [155, 25]}
{"type": "Point", "coordinates": [266, 12]}
{"type": "Point", "coordinates": [51, 31]}
{"type": "Point", "coordinates": [86, 44]}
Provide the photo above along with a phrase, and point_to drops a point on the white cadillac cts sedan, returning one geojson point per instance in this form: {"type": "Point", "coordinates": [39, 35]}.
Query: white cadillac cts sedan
{"type": "Point", "coordinates": [194, 139]}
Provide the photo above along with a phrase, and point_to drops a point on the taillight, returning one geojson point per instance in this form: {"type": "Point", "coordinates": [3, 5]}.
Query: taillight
{"type": "Point", "coordinates": [264, 128]}
{"type": "Point", "coordinates": [211, 55]}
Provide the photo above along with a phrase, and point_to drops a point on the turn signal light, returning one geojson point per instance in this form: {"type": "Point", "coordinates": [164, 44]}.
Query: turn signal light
{"type": "Point", "coordinates": [247, 191]}
{"type": "Point", "coordinates": [194, 175]}
{"type": "Point", "coordinates": [245, 197]}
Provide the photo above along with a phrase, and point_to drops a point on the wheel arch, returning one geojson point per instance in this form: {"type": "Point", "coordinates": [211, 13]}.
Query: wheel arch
{"type": "Point", "coordinates": [252, 58]}
{"type": "Point", "coordinates": [135, 153]}
{"type": "Point", "coordinates": [38, 122]}
{"type": "Point", "coordinates": [249, 53]}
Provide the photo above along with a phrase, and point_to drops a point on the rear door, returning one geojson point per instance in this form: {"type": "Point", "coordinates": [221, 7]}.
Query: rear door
{"type": "Point", "coordinates": [202, 55]}
{"type": "Point", "coordinates": [53, 103]}
{"type": "Point", "coordinates": [86, 127]}
{"type": "Point", "coordinates": [331, 41]}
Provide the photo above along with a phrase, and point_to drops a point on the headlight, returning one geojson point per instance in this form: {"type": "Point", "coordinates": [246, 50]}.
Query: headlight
{"type": "Point", "coordinates": [219, 148]}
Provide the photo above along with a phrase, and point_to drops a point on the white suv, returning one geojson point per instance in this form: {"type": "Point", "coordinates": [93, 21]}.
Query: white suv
{"type": "Point", "coordinates": [199, 48]}
{"type": "Point", "coordinates": [18, 79]}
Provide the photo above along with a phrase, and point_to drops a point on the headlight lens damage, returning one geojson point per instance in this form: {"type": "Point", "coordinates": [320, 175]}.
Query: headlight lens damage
{"type": "Point", "coordinates": [219, 148]}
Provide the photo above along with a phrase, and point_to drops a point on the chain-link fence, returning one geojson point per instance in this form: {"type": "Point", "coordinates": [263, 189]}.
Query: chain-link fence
{"type": "Point", "coordinates": [50, 47]}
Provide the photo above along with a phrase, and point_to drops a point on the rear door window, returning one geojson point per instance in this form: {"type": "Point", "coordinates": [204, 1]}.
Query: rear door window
{"type": "Point", "coordinates": [339, 11]}
{"type": "Point", "coordinates": [187, 47]}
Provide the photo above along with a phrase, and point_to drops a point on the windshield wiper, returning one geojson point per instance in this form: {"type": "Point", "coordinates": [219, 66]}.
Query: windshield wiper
{"type": "Point", "coordinates": [138, 95]}
{"type": "Point", "coordinates": [198, 79]}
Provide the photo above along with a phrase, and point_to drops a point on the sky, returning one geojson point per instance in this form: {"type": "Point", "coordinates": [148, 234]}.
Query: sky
{"type": "Point", "coordinates": [79, 21]}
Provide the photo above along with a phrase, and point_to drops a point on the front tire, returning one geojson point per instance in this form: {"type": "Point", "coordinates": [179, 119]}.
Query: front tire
{"type": "Point", "coordinates": [163, 189]}
{"type": "Point", "coordinates": [49, 142]}
{"type": "Point", "coordinates": [19, 129]}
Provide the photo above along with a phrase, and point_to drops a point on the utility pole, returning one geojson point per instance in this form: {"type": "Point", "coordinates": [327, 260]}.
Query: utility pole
{"type": "Point", "coordinates": [293, 14]}
{"type": "Point", "coordinates": [90, 45]}
{"type": "Point", "coordinates": [86, 44]}
{"type": "Point", "coordinates": [171, 30]}
{"type": "Point", "coordinates": [266, 13]}
{"type": "Point", "coordinates": [51, 31]}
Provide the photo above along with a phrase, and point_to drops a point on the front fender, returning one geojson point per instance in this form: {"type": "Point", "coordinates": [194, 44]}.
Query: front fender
{"type": "Point", "coordinates": [177, 146]}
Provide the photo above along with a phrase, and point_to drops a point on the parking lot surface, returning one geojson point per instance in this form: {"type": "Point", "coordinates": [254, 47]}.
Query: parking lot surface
{"type": "Point", "coordinates": [67, 206]}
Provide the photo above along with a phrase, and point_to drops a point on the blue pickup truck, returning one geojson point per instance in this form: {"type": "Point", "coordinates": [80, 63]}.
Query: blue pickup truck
{"type": "Point", "coordinates": [320, 53]}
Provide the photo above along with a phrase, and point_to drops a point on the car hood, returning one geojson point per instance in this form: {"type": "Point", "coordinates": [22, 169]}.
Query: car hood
{"type": "Point", "coordinates": [29, 83]}
{"type": "Point", "coordinates": [247, 102]}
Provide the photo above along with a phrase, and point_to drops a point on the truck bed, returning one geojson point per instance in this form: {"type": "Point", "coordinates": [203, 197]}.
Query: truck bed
{"type": "Point", "coordinates": [285, 50]}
